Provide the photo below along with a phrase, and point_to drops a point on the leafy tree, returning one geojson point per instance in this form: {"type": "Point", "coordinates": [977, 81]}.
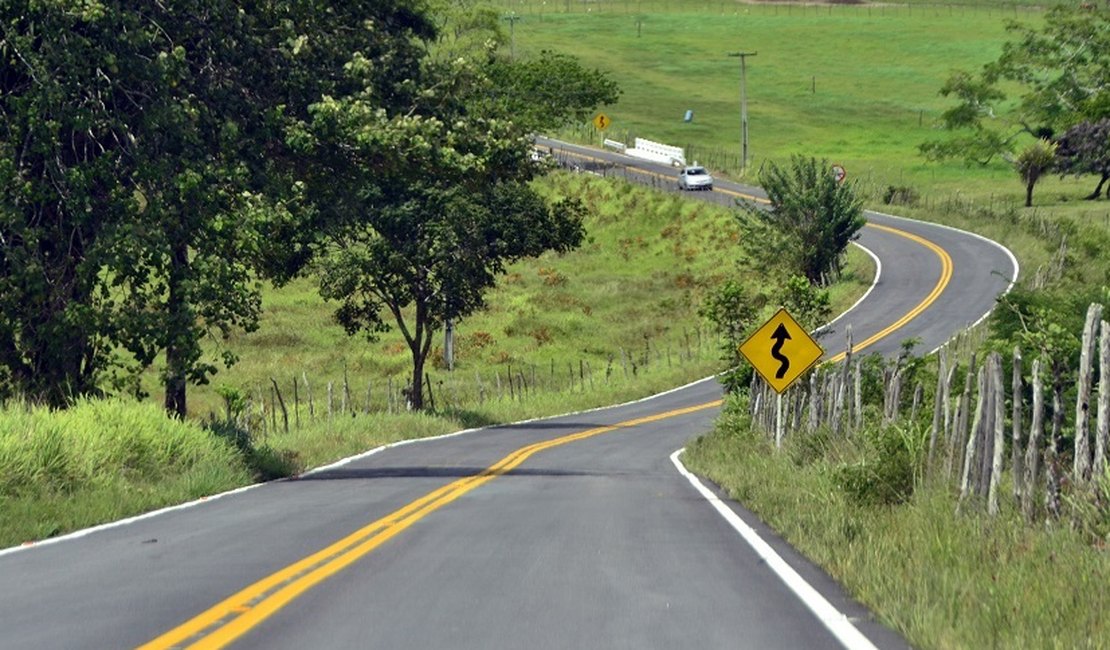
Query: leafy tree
{"type": "Point", "coordinates": [974, 114]}
{"type": "Point", "coordinates": [1063, 68]}
{"type": "Point", "coordinates": [815, 216]}
{"type": "Point", "coordinates": [807, 303]}
{"type": "Point", "coordinates": [1085, 149]}
{"type": "Point", "coordinates": [142, 144]}
{"type": "Point", "coordinates": [1032, 163]}
{"type": "Point", "coordinates": [1064, 64]}
{"type": "Point", "coordinates": [548, 91]}
{"type": "Point", "coordinates": [422, 208]}
{"type": "Point", "coordinates": [464, 28]}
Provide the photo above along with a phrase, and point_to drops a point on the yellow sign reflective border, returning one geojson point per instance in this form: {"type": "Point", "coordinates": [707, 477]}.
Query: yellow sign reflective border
{"type": "Point", "coordinates": [781, 350]}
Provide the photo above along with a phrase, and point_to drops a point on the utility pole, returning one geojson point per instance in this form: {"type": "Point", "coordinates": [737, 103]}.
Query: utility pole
{"type": "Point", "coordinates": [743, 107]}
{"type": "Point", "coordinates": [512, 18]}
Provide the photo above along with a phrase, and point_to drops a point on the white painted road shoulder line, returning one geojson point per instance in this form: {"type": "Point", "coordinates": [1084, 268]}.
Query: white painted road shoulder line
{"type": "Point", "coordinates": [837, 622]}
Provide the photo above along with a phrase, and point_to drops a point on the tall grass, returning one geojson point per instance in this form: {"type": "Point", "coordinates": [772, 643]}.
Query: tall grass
{"type": "Point", "coordinates": [942, 579]}
{"type": "Point", "coordinates": [102, 460]}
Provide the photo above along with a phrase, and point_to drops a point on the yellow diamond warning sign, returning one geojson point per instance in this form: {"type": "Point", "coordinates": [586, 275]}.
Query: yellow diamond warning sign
{"type": "Point", "coordinates": [602, 121]}
{"type": "Point", "coordinates": [781, 350]}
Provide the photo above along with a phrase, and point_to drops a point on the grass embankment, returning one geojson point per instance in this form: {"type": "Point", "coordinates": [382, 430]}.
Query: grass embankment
{"type": "Point", "coordinates": [944, 580]}
{"type": "Point", "coordinates": [635, 285]}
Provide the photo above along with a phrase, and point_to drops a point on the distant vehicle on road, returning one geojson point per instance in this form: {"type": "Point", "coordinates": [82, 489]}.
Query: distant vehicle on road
{"type": "Point", "coordinates": [695, 177]}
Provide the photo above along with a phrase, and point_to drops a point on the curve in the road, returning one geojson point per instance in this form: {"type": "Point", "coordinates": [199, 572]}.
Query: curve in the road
{"type": "Point", "coordinates": [593, 544]}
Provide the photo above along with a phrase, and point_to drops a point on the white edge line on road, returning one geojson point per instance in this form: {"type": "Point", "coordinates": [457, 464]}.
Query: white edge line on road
{"type": "Point", "coordinates": [878, 274]}
{"type": "Point", "coordinates": [836, 621]}
{"type": "Point", "coordinates": [339, 463]}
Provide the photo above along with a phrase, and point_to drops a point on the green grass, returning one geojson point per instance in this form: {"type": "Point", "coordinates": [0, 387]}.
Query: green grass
{"type": "Point", "coordinates": [102, 460]}
{"type": "Point", "coordinates": [942, 580]}
{"type": "Point", "coordinates": [632, 289]}
{"type": "Point", "coordinates": [855, 88]}
{"type": "Point", "coordinates": [854, 84]}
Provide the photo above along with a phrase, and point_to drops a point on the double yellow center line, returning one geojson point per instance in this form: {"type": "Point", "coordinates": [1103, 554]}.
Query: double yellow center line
{"type": "Point", "coordinates": [233, 617]}
{"type": "Point", "coordinates": [236, 615]}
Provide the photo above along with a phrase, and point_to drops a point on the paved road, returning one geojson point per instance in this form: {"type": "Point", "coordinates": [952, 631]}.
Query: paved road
{"type": "Point", "coordinates": [570, 532]}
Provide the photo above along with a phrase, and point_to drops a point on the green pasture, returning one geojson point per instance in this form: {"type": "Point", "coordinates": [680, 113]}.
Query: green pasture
{"type": "Point", "coordinates": [857, 85]}
{"type": "Point", "coordinates": [853, 86]}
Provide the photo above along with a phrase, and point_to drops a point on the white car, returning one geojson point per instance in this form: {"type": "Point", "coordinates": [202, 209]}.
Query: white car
{"type": "Point", "coordinates": [695, 177]}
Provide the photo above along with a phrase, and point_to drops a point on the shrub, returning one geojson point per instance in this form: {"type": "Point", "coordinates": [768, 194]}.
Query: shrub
{"type": "Point", "coordinates": [99, 442]}
{"type": "Point", "coordinates": [887, 472]}
{"type": "Point", "coordinates": [900, 195]}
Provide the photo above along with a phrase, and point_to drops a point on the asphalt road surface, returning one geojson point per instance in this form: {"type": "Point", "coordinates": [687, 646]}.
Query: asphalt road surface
{"type": "Point", "coordinates": [571, 532]}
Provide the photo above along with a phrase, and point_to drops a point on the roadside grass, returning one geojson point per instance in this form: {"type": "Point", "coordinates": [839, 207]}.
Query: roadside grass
{"type": "Point", "coordinates": [102, 460]}
{"type": "Point", "coordinates": [942, 579]}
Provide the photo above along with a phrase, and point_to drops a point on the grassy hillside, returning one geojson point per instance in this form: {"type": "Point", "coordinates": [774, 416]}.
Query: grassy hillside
{"type": "Point", "coordinates": [632, 289]}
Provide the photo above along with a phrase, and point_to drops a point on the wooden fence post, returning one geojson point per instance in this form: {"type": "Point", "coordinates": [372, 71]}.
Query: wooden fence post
{"type": "Point", "coordinates": [1033, 448]}
{"type": "Point", "coordinates": [273, 410]}
{"type": "Point", "coordinates": [999, 398]}
{"type": "Point", "coordinates": [959, 430]}
{"type": "Point", "coordinates": [814, 400]}
{"type": "Point", "coordinates": [1102, 427]}
{"type": "Point", "coordinates": [1015, 422]}
{"type": "Point", "coordinates": [281, 402]}
{"type": "Point", "coordinates": [973, 439]}
{"type": "Point", "coordinates": [329, 402]}
{"type": "Point", "coordinates": [1051, 460]}
{"type": "Point", "coordinates": [296, 403]}
{"type": "Point", "coordinates": [843, 385]}
{"type": "Point", "coordinates": [308, 394]}
{"type": "Point", "coordinates": [346, 401]}
{"type": "Point", "coordinates": [431, 397]}
{"type": "Point", "coordinates": [857, 395]}
{"type": "Point", "coordinates": [1082, 471]}
{"type": "Point", "coordinates": [940, 398]}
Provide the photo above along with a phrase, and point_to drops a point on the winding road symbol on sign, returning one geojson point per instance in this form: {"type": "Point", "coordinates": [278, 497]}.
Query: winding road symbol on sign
{"type": "Point", "coordinates": [781, 350]}
{"type": "Point", "coordinates": [780, 336]}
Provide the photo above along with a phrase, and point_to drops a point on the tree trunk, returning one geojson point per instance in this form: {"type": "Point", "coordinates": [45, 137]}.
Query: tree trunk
{"type": "Point", "coordinates": [1029, 193]}
{"type": "Point", "coordinates": [180, 321]}
{"type": "Point", "coordinates": [1098, 190]}
{"type": "Point", "coordinates": [416, 389]}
